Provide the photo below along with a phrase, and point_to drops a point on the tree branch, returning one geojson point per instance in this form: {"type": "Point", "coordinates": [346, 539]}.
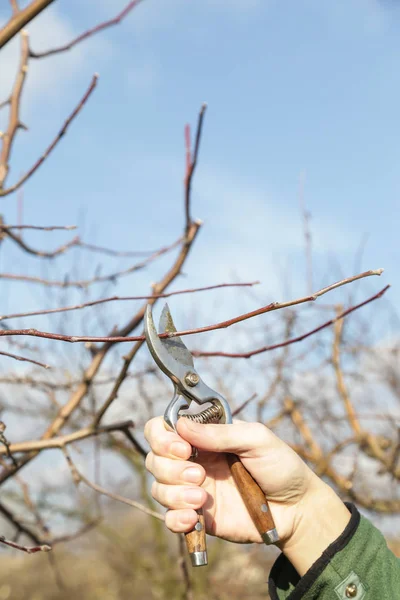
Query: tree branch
{"type": "Point", "coordinates": [192, 162]}
{"type": "Point", "coordinates": [77, 477]}
{"type": "Point", "coordinates": [43, 254]}
{"type": "Point", "coordinates": [97, 279]}
{"type": "Point", "coordinates": [20, 19]}
{"type": "Point", "coordinates": [124, 298]}
{"type": "Point", "coordinates": [88, 33]}
{"type": "Point", "coordinates": [61, 133]}
{"type": "Point", "coordinates": [24, 359]}
{"type": "Point", "coordinates": [14, 118]}
{"type": "Point", "coordinates": [292, 340]}
{"type": "Point", "coordinates": [223, 325]}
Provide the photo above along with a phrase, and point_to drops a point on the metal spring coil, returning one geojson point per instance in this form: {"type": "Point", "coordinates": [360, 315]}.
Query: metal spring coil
{"type": "Point", "coordinates": [213, 414]}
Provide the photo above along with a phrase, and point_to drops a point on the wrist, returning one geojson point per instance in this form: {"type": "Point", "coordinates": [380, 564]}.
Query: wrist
{"type": "Point", "coordinates": [321, 518]}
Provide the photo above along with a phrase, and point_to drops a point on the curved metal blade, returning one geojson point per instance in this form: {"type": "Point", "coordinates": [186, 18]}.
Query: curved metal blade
{"type": "Point", "coordinates": [174, 345]}
{"type": "Point", "coordinates": [172, 362]}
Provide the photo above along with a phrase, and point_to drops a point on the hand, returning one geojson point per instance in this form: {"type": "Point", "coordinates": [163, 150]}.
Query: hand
{"type": "Point", "coordinates": [295, 494]}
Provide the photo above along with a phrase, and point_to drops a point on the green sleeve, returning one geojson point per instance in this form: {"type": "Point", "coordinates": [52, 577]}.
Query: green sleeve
{"type": "Point", "coordinates": [357, 565]}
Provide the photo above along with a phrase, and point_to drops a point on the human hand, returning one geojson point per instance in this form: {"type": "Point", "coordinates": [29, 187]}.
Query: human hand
{"type": "Point", "coordinates": [295, 494]}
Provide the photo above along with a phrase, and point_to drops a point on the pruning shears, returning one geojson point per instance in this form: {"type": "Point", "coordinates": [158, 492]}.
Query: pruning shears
{"type": "Point", "coordinates": [174, 359]}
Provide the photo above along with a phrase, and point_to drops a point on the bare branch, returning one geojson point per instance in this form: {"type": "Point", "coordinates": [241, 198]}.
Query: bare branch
{"type": "Point", "coordinates": [89, 32]}
{"type": "Point", "coordinates": [192, 162]}
{"type": "Point", "coordinates": [61, 133]}
{"type": "Point", "coordinates": [4, 227]}
{"type": "Point", "coordinates": [77, 477]}
{"type": "Point", "coordinates": [14, 117]}
{"type": "Point", "coordinates": [97, 279]}
{"type": "Point", "coordinates": [124, 298]}
{"type": "Point", "coordinates": [64, 440]}
{"type": "Point", "coordinates": [277, 305]}
{"type": "Point", "coordinates": [43, 254]}
{"type": "Point", "coordinates": [292, 340]}
{"type": "Point", "coordinates": [223, 325]}
{"type": "Point", "coordinates": [24, 359]}
{"type": "Point", "coordinates": [19, 20]}
{"type": "Point", "coordinates": [27, 549]}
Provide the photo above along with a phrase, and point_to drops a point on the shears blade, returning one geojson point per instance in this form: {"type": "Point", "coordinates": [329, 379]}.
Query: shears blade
{"type": "Point", "coordinates": [170, 354]}
{"type": "Point", "coordinates": [174, 345]}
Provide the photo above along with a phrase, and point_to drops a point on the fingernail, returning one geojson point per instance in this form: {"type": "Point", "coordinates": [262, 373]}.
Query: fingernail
{"type": "Point", "coordinates": [193, 495]}
{"type": "Point", "coordinates": [180, 450]}
{"type": "Point", "coordinates": [192, 474]}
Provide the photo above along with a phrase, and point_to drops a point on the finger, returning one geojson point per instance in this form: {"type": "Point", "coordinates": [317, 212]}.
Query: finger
{"type": "Point", "coordinates": [245, 439]}
{"type": "Point", "coordinates": [174, 472]}
{"type": "Point", "coordinates": [164, 442]}
{"type": "Point", "coordinates": [178, 496]}
{"type": "Point", "coordinates": [181, 521]}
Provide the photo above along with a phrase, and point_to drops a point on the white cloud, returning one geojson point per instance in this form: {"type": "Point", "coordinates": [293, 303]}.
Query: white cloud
{"type": "Point", "coordinates": [50, 75]}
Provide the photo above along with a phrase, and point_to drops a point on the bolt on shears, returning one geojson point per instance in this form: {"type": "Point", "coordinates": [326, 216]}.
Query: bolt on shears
{"type": "Point", "coordinates": [174, 359]}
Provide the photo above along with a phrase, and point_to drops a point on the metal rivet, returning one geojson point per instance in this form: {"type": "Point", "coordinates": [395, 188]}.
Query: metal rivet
{"type": "Point", "coordinates": [264, 508]}
{"type": "Point", "coordinates": [198, 526]}
{"type": "Point", "coordinates": [192, 379]}
{"type": "Point", "coordinates": [351, 590]}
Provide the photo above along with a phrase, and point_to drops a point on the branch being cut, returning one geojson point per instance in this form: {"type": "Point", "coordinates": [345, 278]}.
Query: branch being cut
{"type": "Point", "coordinates": [61, 133]}
{"type": "Point", "coordinates": [223, 325]}
{"type": "Point", "coordinates": [124, 298]}
{"type": "Point", "coordinates": [89, 32]}
{"type": "Point", "coordinates": [20, 19]}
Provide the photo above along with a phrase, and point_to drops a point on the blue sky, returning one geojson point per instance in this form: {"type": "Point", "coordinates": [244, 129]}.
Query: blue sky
{"type": "Point", "coordinates": [292, 87]}
{"type": "Point", "coordinates": [306, 87]}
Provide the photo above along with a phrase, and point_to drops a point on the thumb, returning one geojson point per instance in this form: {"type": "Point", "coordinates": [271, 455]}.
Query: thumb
{"type": "Point", "coordinates": [246, 439]}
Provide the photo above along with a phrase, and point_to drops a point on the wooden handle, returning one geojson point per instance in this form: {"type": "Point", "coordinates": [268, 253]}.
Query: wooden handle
{"type": "Point", "coordinates": [254, 499]}
{"type": "Point", "coordinates": [196, 542]}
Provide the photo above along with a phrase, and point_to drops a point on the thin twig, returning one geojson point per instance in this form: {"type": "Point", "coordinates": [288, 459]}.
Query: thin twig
{"type": "Point", "coordinates": [125, 298]}
{"type": "Point", "coordinates": [111, 252]}
{"type": "Point", "coordinates": [97, 279]}
{"type": "Point", "coordinates": [42, 253]}
{"type": "Point", "coordinates": [193, 162]}
{"type": "Point", "coordinates": [50, 148]}
{"type": "Point", "coordinates": [24, 359]}
{"type": "Point", "coordinates": [27, 549]}
{"type": "Point", "coordinates": [224, 324]}
{"type": "Point", "coordinates": [244, 404]}
{"type": "Point", "coordinates": [37, 227]}
{"type": "Point", "coordinates": [77, 477]}
{"type": "Point", "coordinates": [292, 340]}
{"type": "Point", "coordinates": [88, 33]}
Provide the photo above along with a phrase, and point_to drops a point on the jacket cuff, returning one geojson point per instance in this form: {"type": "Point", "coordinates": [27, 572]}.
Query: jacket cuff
{"type": "Point", "coordinates": [284, 581]}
